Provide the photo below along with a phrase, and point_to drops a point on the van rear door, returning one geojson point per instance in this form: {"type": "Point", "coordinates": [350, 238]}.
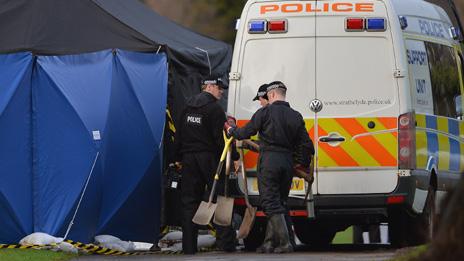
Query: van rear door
{"type": "Point", "coordinates": [286, 56]}
{"type": "Point", "coordinates": [356, 128]}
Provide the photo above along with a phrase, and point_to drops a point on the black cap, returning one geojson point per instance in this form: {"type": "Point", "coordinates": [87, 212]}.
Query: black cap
{"type": "Point", "coordinates": [215, 80]}
{"type": "Point", "coordinates": [275, 85]}
{"type": "Point", "coordinates": [261, 92]}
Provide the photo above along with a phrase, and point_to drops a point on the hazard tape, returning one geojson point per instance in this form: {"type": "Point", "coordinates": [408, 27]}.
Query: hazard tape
{"type": "Point", "coordinates": [10, 246]}
{"type": "Point", "coordinates": [98, 250]}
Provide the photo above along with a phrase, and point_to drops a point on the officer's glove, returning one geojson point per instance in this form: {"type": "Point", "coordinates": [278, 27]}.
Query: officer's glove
{"type": "Point", "coordinates": [176, 165]}
{"type": "Point", "coordinates": [232, 121]}
{"type": "Point", "coordinates": [303, 172]}
{"type": "Point", "coordinates": [227, 128]}
{"type": "Point", "coordinates": [230, 124]}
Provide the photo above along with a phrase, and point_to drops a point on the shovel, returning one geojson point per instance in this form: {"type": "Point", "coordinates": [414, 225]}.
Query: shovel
{"type": "Point", "coordinates": [309, 199]}
{"type": "Point", "coordinates": [225, 205]}
{"type": "Point", "coordinates": [250, 211]}
{"type": "Point", "coordinates": [206, 209]}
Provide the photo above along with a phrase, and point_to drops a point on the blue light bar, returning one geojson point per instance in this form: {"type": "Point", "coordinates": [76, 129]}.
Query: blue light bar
{"type": "Point", "coordinates": [376, 24]}
{"type": "Point", "coordinates": [455, 33]}
{"type": "Point", "coordinates": [403, 22]}
{"type": "Point", "coordinates": [257, 27]}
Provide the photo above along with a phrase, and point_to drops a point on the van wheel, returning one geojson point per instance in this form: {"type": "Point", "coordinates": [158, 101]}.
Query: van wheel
{"type": "Point", "coordinates": [317, 235]}
{"type": "Point", "coordinates": [428, 217]}
{"type": "Point", "coordinates": [256, 236]}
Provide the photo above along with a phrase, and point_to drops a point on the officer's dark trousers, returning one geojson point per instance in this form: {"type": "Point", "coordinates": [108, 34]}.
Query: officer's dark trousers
{"type": "Point", "coordinates": [274, 181]}
{"type": "Point", "coordinates": [197, 172]}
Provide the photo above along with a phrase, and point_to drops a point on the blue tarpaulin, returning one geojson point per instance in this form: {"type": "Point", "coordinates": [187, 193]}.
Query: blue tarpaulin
{"type": "Point", "coordinates": [65, 120]}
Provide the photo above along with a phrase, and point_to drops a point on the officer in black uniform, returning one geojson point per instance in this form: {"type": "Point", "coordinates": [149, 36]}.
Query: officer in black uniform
{"type": "Point", "coordinates": [281, 130]}
{"type": "Point", "coordinates": [261, 95]}
{"type": "Point", "coordinates": [199, 143]}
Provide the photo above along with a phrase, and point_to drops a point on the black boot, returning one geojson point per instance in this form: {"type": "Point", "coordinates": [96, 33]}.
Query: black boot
{"type": "Point", "coordinates": [189, 239]}
{"type": "Point", "coordinates": [281, 234]}
{"type": "Point", "coordinates": [268, 244]}
{"type": "Point", "coordinates": [291, 234]}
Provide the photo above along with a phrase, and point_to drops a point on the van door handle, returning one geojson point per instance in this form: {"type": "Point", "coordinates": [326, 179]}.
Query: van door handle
{"type": "Point", "coordinates": [331, 139]}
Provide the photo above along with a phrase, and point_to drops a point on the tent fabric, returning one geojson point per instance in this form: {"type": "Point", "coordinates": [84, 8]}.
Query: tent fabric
{"type": "Point", "coordinates": [191, 47]}
{"type": "Point", "coordinates": [76, 70]}
{"type": "Point", "coordinates": [53, 27]}
{"type": "Point", "coordinates": [72, 107]}
{"type": "Point", "coordinates": [56, 27]}
{"type": "Point", "coordinates": [15, 149]}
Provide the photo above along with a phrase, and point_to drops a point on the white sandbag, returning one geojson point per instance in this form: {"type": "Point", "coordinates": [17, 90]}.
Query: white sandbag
{"type": "Point", "coordinates": [205, 241]}
{"type": "Point", "coordinates": [142, 246]}
{"type": "Point", "coordinates": [114, 243]}
{"type": "Point", "coordinates": [176, 247]}
{"type": "Point", "coordinates": [170, 239]}
{"type": "Point", "coordinates": [172, 236]}
{"type": "Point", "coordinates": [106, 239]}
{"type": "Point", "coordinates": [67, 247]}
{"type": "Point", "coordinates": [39, 238]}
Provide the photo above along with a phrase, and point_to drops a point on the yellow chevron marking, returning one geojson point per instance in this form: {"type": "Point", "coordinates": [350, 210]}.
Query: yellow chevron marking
{"type": "Point", "coordinates": [443, 144]}
{"type": "Point", "coordinates": [356, 151]}
{"type": "Point", "coordinates": [387, 140]}
{"type": "Point", "coordinates": [461, 134]}
{"type": "Point", "coordinates": [325, 160]}
{"type": "Point", "coordinates": [309, 123]}
{"type": "Point", "coordinates": [421, 143]}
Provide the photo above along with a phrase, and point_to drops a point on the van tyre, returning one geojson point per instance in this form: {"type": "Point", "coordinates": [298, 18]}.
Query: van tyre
{"type": "Point", "coordinates": [313, 234]}
{"type": "Point", "coordinates": [428, 218]}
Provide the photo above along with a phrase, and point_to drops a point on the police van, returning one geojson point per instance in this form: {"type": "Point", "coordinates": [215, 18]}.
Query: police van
{"type": "Point", "coordinates": [380, 86]}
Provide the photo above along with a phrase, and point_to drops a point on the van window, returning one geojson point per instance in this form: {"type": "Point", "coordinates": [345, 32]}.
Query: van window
{"type": "Point", "coordinates": [444, 74]}
{"type": "Point", "coordinates": [459, 103]}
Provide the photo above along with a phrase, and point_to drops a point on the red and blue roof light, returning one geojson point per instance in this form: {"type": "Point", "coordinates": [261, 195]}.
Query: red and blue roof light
{"type": "Point", "coordinates": [263, 26]}
{"type": "Point", "coordinates": [352, 24]}
{"type": "Point", "coordinates": [376, 25]}
{"type": "Point", "coordinates": [355, 24]}
{"type": "Point", "coordinates": [257, 26]}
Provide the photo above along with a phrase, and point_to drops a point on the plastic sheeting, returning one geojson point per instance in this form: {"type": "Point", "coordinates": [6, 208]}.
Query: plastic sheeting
{"type": "Point", "coordinates": [56, 114]}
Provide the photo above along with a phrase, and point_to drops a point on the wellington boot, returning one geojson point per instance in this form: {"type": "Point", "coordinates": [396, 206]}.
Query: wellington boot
{"type": "Point", "coordinates": [268, 244]}
{"type": "Point", "coordinates": [281, 234]}
{"type": "Point", "coordinates": [291, 233]}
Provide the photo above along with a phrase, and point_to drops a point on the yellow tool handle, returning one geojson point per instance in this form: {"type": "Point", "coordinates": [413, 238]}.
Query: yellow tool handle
{"type": "Point", "coordinates": [227, 142]}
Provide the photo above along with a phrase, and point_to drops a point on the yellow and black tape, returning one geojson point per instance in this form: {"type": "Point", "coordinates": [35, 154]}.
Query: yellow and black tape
{"type": "Point", "coordinates": [96, 250]}
{"type": "Point", "coordinates": [11, 246]}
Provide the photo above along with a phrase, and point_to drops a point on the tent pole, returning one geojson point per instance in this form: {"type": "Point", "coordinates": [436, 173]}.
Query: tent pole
{"type": "Point", "coordinates": [82, 196]}
{"type": "Point", "coordinates": [207, 56]}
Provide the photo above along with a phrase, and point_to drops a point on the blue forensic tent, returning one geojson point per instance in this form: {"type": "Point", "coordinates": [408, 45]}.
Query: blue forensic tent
{"type": "Point", "coordinates": [83, 91]}
{"type": "Point", "coordinates": [65, 120]}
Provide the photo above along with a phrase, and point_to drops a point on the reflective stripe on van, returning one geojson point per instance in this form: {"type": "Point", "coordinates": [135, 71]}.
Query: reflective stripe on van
{"type": "Point", "coordinates": [439, 142]}
{"type": "Point", "coordinates": [363, 146]}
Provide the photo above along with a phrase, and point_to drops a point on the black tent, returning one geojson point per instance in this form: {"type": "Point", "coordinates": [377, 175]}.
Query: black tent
{"type": "Point", "coordinates": [54, 27]}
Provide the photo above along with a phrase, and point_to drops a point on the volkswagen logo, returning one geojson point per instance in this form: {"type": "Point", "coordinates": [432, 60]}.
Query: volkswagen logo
{"type": "Point", "coordinates": [315, 105]}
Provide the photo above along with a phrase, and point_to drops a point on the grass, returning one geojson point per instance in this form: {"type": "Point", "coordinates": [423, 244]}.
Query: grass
{"type": "Point", "coordinates": [344, 237]}
{"type": "Point", "coordinates": [34, 255]}
{"type": "Point", "coordinates": [411, 253]}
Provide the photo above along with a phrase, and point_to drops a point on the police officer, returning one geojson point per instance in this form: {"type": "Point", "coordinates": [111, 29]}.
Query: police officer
{"type": "Point", "coordinates": [199, 143]}
{"type": "Point", "coordinates": [281, 130]}
{"type": "Point", "coordinates": [261, 95]}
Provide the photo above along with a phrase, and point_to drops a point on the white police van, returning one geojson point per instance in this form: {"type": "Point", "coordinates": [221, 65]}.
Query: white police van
{"type": "Point", "coordinates": [380, 86]}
